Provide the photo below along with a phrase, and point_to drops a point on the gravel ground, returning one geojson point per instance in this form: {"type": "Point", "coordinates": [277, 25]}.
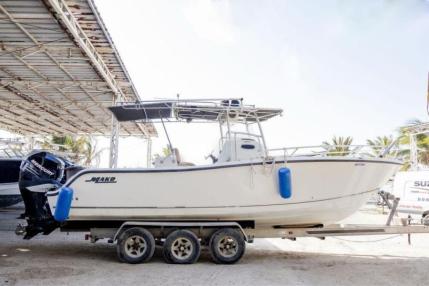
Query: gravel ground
{"type": "Point", "coordinates": [61, 259]}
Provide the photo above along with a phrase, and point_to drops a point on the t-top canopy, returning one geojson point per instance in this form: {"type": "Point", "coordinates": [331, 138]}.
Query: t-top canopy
{"type": "Point", "coordinates": [194, 109]}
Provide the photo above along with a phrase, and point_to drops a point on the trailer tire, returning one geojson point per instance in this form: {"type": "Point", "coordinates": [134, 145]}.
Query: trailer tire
{"type": "Point", "coordinates": [227, 246]}
{"type": "Point", "coordinates": [135, 245]}
{"type": "Point", "coordinates": [181, 247]}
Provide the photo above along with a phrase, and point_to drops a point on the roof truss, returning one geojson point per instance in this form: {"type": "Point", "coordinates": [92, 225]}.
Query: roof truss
{"type": "Point", "coordinates": [59, 70]}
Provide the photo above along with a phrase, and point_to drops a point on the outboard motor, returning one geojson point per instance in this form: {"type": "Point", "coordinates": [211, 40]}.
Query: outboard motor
{"type": "Point", "coordinates": [40, 173]}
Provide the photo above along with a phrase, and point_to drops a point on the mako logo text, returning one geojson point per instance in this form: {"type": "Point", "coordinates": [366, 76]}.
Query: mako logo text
{"type": "Point", "coordinates": [102, 180]}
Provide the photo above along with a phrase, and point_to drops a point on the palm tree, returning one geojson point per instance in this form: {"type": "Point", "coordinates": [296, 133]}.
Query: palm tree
{"type": "Point", "coordinates": [91, 156]}
{"type": "Point", "coordinates": [380, 143]}
{"type": "Point", "coordinates": [421, 141]}
{"type": "Point", "coordinates": [79, 149]}
{"type": "Point", "coordinates": [340, 146]}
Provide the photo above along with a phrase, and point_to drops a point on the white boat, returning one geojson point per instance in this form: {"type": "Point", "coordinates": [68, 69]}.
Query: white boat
{"type": "Point", "coordinates": [10, 160]}
{"type": "Point", "coordinates": [241, 185]}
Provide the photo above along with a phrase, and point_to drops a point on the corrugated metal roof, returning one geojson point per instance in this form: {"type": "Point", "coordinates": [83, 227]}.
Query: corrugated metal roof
{"type": "Point", "coordinates": [59, 70]}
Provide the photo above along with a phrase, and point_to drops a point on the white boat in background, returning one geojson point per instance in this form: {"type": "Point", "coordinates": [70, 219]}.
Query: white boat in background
{"type": "Point", "coordinates": [412, 187]}
{"type": "Point", "coordinates": [242, 185]}
{"type": "Point", "coordinates": [9, 192]}
{"type": "Point", "coordinates": [10, 161]}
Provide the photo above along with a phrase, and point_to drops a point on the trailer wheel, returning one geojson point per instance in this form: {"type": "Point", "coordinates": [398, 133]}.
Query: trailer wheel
{"type": "Point", "coordinates": [135, 245]}
{"type": "Point", "coordinates": [227, 246]}
{"type": "Point", "coordinates": [181, 247]}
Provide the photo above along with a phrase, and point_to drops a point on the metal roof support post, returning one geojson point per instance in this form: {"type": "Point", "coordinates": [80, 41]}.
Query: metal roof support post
{"type": "Point", "coordinates": [149, 152]}
{"type": "Point", "coordinates": [32, 142]}
{"type": "Point", "coordinates": [114, 144]}
{"type": "Point", "coordinates": [413, 152]}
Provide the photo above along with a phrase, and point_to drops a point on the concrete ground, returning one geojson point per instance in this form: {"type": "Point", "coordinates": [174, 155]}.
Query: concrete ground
{"type": "Point", "coordinates": [61, 259]}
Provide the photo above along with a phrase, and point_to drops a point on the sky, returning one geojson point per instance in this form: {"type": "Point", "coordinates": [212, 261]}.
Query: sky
{"type": "Point", "coordinates": [346, 68]}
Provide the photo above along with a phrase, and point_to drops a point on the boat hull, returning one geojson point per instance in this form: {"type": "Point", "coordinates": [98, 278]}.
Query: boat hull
{"type": "Point", "coordinates": [323, 191]}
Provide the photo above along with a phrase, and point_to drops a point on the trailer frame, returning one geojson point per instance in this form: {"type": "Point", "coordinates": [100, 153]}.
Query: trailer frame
{"type": "Point", "coordinates": [202, 228]}
{"type": "Point", "coordinates": [205, 231]}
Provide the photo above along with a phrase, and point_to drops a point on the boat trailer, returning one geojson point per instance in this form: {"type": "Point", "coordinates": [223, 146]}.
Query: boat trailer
{"type": "Point", "coordinates": [225, 239]}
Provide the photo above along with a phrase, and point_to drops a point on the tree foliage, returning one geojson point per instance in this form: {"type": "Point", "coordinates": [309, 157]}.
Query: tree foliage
{"type": "Point", "coordinates": [380, 143]}
{"type": "Point", "coordinates": [80, 149]}
{"type": "Point", "coordinates": [421, 141]}
{"type": "Point", "coordinates": [339, 146]}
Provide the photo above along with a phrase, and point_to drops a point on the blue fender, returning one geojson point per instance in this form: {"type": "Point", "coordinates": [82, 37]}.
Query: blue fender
{"type": "Point", "coordinates": [285, 182]}
{"type": "Point", "coordinates": [62, 209]}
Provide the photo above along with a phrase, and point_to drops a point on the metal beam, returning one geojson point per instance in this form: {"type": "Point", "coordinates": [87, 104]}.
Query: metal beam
{"type": "Point", "coordinates": [66, 16]}
{"type": "Point", "coordinates": [50, 111]}
{"type": "Point", "coordinates": [35, 121]}
{"type": "Point", "coordinates": [50, 46]}
{"type": "Point", "coordinates": [60, 83]}
{"type": "Point", "coordinates": [24, 125]}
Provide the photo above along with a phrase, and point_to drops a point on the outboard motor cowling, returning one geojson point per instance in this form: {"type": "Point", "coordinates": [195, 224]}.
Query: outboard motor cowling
{"type": "Point", "coordinates": [40, 173]}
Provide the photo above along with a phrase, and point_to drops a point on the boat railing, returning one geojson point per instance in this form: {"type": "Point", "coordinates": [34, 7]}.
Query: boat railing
{"type": "Point", "coordinates": [357, 151]}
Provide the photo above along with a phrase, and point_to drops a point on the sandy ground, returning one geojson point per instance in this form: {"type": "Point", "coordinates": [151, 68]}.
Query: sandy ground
{"type": "Point", "coordinates": [61, 259]}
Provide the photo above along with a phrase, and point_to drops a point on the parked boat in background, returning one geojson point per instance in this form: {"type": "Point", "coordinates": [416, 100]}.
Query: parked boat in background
{"type": "Point", "coordinates": [11, 153]}
{"type": "Point", "coordinates": [412, 187]}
